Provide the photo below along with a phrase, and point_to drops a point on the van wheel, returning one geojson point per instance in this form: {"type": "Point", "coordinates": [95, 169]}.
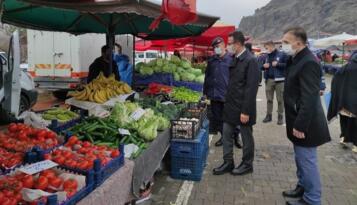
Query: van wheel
{"type": "Point", "coordinates": [24, 104]}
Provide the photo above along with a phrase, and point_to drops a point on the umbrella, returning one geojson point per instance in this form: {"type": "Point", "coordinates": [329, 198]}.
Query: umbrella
{"type": "Point", "coordinates": [337, 40]}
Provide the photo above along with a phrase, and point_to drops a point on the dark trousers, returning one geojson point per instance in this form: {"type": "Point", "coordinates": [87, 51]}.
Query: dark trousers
{"type": "Point", "coordinates": [248, 143]}
{"type": "Point", "coordinates": [215, 118]}
{"type": "Point", "coordinates": [349, 129]}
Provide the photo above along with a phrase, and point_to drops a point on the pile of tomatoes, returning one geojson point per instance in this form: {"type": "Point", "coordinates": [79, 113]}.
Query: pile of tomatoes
{"type": "Point", "coordinates": [23, 138]}
{"type": "Point", "coordinates": [48, 180]}
{"type": "Point", "coordinates": [9, 160]}
{"type": "Point", "coordinates": [82, 154]}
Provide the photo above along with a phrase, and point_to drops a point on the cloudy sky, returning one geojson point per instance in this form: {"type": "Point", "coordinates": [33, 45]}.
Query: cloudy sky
{"type": "Point", "coordinates": [230, 11]}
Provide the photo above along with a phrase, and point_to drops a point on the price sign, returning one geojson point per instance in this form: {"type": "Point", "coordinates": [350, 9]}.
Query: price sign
{"type": "Point", "coordinates": [38, 167]}
{"type": "Point", "coordinates": [124, 131]}
{"type": "Point", "coordinates": [137, 114]}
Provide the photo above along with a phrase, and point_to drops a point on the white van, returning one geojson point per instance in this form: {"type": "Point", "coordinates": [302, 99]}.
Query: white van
{"type": "Point", "coordinates": [145, 56]}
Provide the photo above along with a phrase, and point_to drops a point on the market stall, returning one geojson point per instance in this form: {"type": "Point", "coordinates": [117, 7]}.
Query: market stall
{"type": "Point", "coordinates": [89, 151]}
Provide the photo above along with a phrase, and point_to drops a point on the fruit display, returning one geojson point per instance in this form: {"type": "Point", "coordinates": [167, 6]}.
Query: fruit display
{"type": "Point", "coordinates": [80, 155]}
{"type": "Point", "coordinates": [101, 89]}
{"type": "Point", "coordinates": [9, 160]}
{"type": "Point", "coordinates": [60, 114]}
{"type": "Point", "coordinates": [50, 181]}
{"type": "Point", "coordinates": [181, 70]}
{"type": "Point", "coordinates": [22, 138]}
{"type": "Point", "coordinates": [185, 95]}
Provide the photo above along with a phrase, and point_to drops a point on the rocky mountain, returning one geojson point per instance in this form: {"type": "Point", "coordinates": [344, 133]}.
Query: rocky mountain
{"type": "Point", "coordinates": [316, 16]}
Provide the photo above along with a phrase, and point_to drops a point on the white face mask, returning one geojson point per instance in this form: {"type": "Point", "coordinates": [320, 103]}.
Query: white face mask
{"type": "Point", "coordinates": [218, 51]}
{"type": "Point", "coordinates": [230, 49]}
{"type": "Point", "coordinates": [288, 49]}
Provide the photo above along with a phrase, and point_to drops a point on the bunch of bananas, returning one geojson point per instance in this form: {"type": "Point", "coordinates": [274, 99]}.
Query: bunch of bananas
{"type": "Point", "coordinates": [101, 89]}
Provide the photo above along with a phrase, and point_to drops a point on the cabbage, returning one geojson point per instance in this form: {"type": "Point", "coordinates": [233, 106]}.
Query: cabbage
{"type": "Point", "coordinates": [187, 77]}
{"type": "Point", "coordinates": [200, 79]}
{"type": "Point", "coordinates": [166, 69]}
{"type": "Point", "coordinates": [157, 69]}
{"type": "Point", "coordinates": [160, 62]}
{"type": "Point", "coordinates": [185, 64]}
{"type": "Point", "coordinates": [163, 123]}
{"type": "Point", "coordinates": [148, 128]}
{"type": "Point", "coordinates": [174, 59]}
{"type": "Point", "coordinates": [196, 72]}
{"type": "Point", "coordinates": [139, 66]}
{"type": "Point", "coordinates": [152, 63]}
{"type": "Point", "coordinates": [146, 70]}
{"type": "Point", "coordinates": [180, 70]}
{"type": "Point", "coordinates": [177, 77]}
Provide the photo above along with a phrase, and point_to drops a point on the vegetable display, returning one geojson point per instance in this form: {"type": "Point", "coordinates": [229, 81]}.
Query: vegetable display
{"type": "Point", "coordinates": [155, 89]}
{"type": "Point", "coordinates": [81, 154]}
{"type": "Point", "coordinates": [185, 95]}
{"type": "Point", "coordinates": [9, 160]}
{"type": "Point", "coordinates": [169, 111]}
{"type": "Point", "coordinates": [182, 70]}
{"type": "Point", "coordinates": [23, 138]}
{"type": "Point", "coordinates": [101, 89]}
{"type": "Point", "coordinates": [60, 114]}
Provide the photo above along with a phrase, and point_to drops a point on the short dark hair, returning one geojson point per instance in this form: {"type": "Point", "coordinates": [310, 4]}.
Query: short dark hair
{"type": "Point", "coordinates": [238, 36]}
{"type": "Point", "coordinates": [118, 45]}
{"type": "Point", "coordinates": [298, 32]}
{"type": "Point", "coordinates": [249, 47]}
{"type": "Point", "coordinates": [269, 43]}
{"type": "Point", "coordinates": [105, 48]}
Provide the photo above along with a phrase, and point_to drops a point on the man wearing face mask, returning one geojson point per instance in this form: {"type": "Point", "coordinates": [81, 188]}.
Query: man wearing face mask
{"type": "Point", "coordinates": [240, 106]}
{"type": "Point", "coordinates": [274, 74]}
{"type": "Point", "coordinates": [305, 119]}
{"type": "Point", "coordinates": [215, 85]}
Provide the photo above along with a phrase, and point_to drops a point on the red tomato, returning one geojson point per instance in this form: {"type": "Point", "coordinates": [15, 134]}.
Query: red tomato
{"type": "Point", "coordinates": [41, 134]}
{"type": "Point", "coordinates": [42, 183]}
{"type": "Point", "coordinates": [2, 197]}
{"type": "Point", "coordinates": [56, 182]}
{"type": "Point", "coordinates": [51, 135]}
{"type": "Point", "coordinates": [57, 152]}
{"type": "Point", "coordinates": [86, 144]}
{"type": "Point", "coordinates": [72, 140]}
{"type": "Point", "coordinates": [115, 153]}
{"type": "Point", "coordinates": [6, 201]}
{"type": "Point", "coordinates": [8, 193]}
{"type": "Point", "coordinates": [47, 156]}
{"type": "Point", "coordinates": [18, 196]}
{"type": "Point", "coordinates": [82, 150]}
{"type": "Point", "coordinates": [70, 184]}
{"type": "Point", "coordinates": [83, 165]}
{"type": "Point", "coordinates": [67, 154]}
{"type": "Point", "coordinates": [12, 127]}
{"type": "Point", "coordinates": [59, 160]}
{"type": "Point", "coordinates": [18, 186]}
{"type": "Point", "coordinates": [27, 181]}
{"type": "Point", "coordinates": [48, 174]}
{"type": "Point", "coordinates": [70, 192]}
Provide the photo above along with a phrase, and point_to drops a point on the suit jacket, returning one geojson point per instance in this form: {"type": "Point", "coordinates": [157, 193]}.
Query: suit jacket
{"type": "Point", "coordinates": [303, 109]}
{"type": "Point", "coordinates": [99, 65]}
{"type": "Point", "coordinates": [242, 90]}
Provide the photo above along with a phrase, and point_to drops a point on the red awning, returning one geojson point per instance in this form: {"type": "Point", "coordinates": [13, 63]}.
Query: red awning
{"type": "Point", "coordinates": [351, 42]}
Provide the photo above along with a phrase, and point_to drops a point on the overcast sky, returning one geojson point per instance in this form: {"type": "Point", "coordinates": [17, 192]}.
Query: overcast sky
{"type": "Point", "coordinates": [230, 11]}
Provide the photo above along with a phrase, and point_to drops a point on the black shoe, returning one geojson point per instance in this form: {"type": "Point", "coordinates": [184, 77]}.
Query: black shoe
{"type": "Point", "coordinates": [267, 119]}
{"type": "Point", "coordinates": [242, 169]}
{"type": "Point", "coordinates": [226, 167]}
{"type": "Point", "coordinates": [219, 143]}
{"type": "Point", "coordinates": [280, 120]}
{"type": "Point", "coordinates": [298, 192]}
{"type": "Point", "coordinates": [299, 202]}
{"type": "Point", "coordinates": [237, 142]}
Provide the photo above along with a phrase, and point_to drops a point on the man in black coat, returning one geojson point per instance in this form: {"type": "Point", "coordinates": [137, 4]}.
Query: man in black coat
{"type": "Point", "coordinates": [101, 64]}
{"type": "Point", "coordinates": [240, 106]}
{"type": "Point", "coordinates": [306, 123]}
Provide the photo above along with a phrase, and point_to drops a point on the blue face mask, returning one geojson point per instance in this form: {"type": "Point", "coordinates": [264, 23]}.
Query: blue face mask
{"type": "Point", "coordinates": [218, 51]}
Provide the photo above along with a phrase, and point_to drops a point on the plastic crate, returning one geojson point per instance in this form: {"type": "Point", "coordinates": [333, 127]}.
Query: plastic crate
{"type": "Point", "coordinates": [205, 125]}
{"type": "Point", "coordinates": [190, 148]}
{"type": "Point", "coordinates": [190, 85]}
{"type": "Point", "coordinates": [189, 168]}
{"type": "Point", "coordinates": [184, 129]}
{"type": "Point", "coordinates": [29, 157]}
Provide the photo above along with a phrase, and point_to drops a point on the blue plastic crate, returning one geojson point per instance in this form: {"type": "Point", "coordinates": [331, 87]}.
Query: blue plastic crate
{"type": "Point", "coordinates": [205, 125]}
{"type": "Point", "coordinates": [189, 168]}
{"type": "Point", "coordinates": [190, 85]}
{"type": "Point", "coordinates": [189, 147]}
{"type": "Point", "coordinates": [29, 158]}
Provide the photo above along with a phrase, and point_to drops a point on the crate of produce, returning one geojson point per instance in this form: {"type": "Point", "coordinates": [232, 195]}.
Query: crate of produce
{"type": "Point", "coordinates": [61, 119]}
{"type": "Point", "coordinates": [83, 157]}
{"type": "Point", "coordinates": [28, 179]}
{"type": "Point", "coordinates": [190, 85]}
{"type": "Point", "coordinates": [185, 128]}
{"type": "Point", "coordinates": [190, 148]}
{"type": "Point", "coordinates": [188, 168]}
{"type": "Point", "coordinates": [9, 161]}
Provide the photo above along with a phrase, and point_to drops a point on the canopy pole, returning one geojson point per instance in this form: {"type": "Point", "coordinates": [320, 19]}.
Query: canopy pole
{"type": "Point", "coordinates": [110, 42]}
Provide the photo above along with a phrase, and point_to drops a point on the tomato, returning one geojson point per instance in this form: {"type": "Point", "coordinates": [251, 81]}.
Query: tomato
{"type": "Point", "coordinates": [84, 165]}
{"type": "Point", "coordinates": [59, 160]}
{"type": "Point", "coordinates": [2, 197]}
{"type": "Point", "coordinates": [22, 136]}
{"type": "Point", "coordinates": [115, 153]}
{"type": "Point", "coordinates": [72, 140]}
{"type": "Point", "coordinates": [70, 184]}
{"type": "Point", "coordinates": [86, 144]}
{"type": "Point", "coordinates": [70, 192]}
{"type": "Point", "coordinates": [56, 182]}
{"type": "Point", "coordinates": [57, 152]}
{"type": "Point", "coordinates": [51, 135]}
{"type": "Point", "coordinates": [6, 201]}
{"type": "Point", "coordinates": [41, 134]}
{"type": "Point", "coordinates": [47, 156]}
{"type": "Point", "coordinates": [42, 183]}
{"type": "Point", "coordinates": [48, 174]}
{"type": "Point", "coordinates": [8, 193]}
{"type": "Point", "coordinates": [18, 196]}
{"type": "Point", "coordinates": [67, 154]}
{"type": "Point", "coordinates": [12, 127]}
{"type": "Point", "coordinates": [82, 150]}
{"type": "Point", "coordinates": [18, 186]}
{"type": "Point", "coordinates": [27, 181]}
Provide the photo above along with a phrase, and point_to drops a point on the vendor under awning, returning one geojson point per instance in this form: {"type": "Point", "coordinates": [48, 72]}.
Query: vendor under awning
{"type": "Point", "coordinates": [101, 64]}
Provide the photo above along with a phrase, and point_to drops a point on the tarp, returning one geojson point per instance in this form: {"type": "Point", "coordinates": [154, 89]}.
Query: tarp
{"type": "Point", "coordinates": [89, 16]}
{"type": "Point", "coordinates": [337, 40]}
{"type": "Point", "coordinates": [351, 42]}
{"type": "Point", "coordinates": [203, 40]}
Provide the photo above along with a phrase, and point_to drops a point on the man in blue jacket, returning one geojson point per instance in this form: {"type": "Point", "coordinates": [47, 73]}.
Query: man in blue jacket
{"type": "Point", "coordinates": [274, 74]}
{"type": "Point", "coordinates": [215, 84]}
{"type": "Point", "coordinates": [125, 69]}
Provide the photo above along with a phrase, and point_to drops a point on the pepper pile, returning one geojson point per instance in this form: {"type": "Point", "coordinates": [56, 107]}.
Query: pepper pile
{"type": "Point", "coordinates": [155, 89]}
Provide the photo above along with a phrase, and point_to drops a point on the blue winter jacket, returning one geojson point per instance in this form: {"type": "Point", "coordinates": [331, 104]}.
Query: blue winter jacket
{"type": "Point", "coordinates": [277, 73]}
{"type": "Point", "coordinates": [124, 67]}
{"type": "Point", "coordinates": [217, 77]}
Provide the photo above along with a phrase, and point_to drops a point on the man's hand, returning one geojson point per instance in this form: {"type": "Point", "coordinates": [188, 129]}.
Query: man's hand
{"type": "Point", "coordinates": [266, 65]}
{"type": "Point", "coordinates": [244, 118]}
{"type": "Point", "coordinates": [298, 134]}
{"type": "Point", "coordinates": [275, 63]}
{"type": "Point", "coordinates": [322, 92]}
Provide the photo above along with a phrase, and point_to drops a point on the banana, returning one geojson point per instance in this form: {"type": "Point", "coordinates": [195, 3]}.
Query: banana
{"type": "Point", "coordinates": [97, 99]}
{"type": "Point", "coordinates": [91, 97]}
{"type": "Point", "coordinates": [82, 95]}
{"type": "Point", "coordinates": [126, 88]}
{"type": "Point", "coordinates": [102, 96]}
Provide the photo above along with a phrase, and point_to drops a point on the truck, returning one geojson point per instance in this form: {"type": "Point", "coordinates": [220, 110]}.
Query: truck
{"type": "Point", "coordinates": [60, 61]}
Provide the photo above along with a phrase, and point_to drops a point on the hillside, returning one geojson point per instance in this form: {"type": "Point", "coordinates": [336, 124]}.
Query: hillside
{"type": "Point", "coordinates": [316, 16]}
